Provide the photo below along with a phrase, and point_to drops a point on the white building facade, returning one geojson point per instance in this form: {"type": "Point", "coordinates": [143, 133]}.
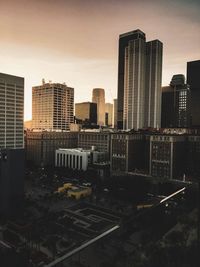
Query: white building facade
{"type": "Point", "coordinates": [77, 158]}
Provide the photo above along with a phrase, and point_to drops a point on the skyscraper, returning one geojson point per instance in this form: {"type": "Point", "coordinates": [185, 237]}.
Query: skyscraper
{"type": "Point", "coordinates": [193, 79]}
{"type": "Point", "coordinates": [109, 112]}
{"type": "Point", "coordinates": [139, 81]}
{"type": "Point", "coordinates": [153, 80]}
{"type": "Point", "coordinates": [98, 96]}
{"type": "Point", "coordinates": [11, 142]}
{"type": "Point", "coordinates": [176, 103]}
{"type": "Point", "coordinates": [52, 106]}
{"type": "Point", "coordinates": [115, 113]}
{"type": "Point", "coordinates": [86, 113]}
{"type": "Point", "coordinates": [11, 111]}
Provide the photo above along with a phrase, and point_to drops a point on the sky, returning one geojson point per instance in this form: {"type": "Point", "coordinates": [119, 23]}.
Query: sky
{"type": "Point", "coordinates": [76, 41]}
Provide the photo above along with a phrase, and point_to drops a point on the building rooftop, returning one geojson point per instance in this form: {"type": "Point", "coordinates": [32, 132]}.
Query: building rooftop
{"type": "Point", "coordinates": [132, 33]}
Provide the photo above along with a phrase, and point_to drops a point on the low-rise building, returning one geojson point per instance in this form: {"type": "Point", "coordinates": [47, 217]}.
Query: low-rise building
{"type": "Point", "coordinates": [77, 158]}
{"type": "Point", "coordinates": [128, 152]}
{"type": "Point", "coordinates": [193, 156]}
{"type": "Point", "coordinates": [168, 156]}
{"type": "Point", "coordinates": [79, 192]}
{"type": "Point", "coordinates": [41, 146]}
{"type": "Point", "coordinates": [99, 139]}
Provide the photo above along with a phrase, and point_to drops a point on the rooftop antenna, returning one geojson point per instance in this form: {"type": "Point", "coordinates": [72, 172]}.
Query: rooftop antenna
{"type": "Point", "coordinates": [43, 81]}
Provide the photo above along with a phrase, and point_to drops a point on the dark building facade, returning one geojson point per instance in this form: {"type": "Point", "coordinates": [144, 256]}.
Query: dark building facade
{"type": "Point", "coordinates": [11, 180]}
{"type": "Point", "coordinates": [176, 103]}
{"type": "Point", "coordinates": [193, 156]}
{"type": "Point", "coordinates": [41, 146]}
{"type": "Point", "coordinates": [168, 109]}
{"type": "Point", "coordinates": [168, 156]}
{"type": "Point", "coordinates": [193, 79]}
{"type": "Point", "coordinates": [128, 153]}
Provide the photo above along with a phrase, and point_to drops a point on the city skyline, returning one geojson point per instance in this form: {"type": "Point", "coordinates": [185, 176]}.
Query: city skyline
{"type": "Point", "coordinates": [80, 46]}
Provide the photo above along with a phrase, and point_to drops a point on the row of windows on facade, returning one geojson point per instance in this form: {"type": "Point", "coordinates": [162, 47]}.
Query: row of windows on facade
{"type": "Point", "coordinates": [71, 161]}
{"type": "Point", "coordinates": [93, 137]}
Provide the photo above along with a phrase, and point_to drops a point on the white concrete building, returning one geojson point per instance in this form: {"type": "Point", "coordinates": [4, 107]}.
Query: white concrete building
{"type": "Point", "coordinates": [77, 158]}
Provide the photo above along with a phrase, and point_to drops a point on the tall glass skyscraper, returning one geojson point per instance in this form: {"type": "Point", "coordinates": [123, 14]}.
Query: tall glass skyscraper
{"type": "Point", "coordinates": [139, 81]}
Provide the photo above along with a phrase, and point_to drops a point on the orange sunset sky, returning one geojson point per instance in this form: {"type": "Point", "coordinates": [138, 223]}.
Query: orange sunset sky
{"type": "Point", "coordinates": [76, 41]}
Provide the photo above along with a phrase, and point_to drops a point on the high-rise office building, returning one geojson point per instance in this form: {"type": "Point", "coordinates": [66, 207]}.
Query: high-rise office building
{"type": "Point", "coordinates": [176, 103]}
{"type": "Point", "coordinates": [139, 81]}
{"type": "Point", "coordinates": [193, 79]}
{"type": "Point", "coordinates": [52, 106]}
{"type": "Point", "coordinates": [153, 80]}
{"type": "Point", "coordinates": [168, 109]}
{"type": "Point", "coordinates": [11, 142]}
{"type": "Point", "coordinates": [98, 96]}
{"type": "Point", "coordinates": [86, 113]}
{"type": "Point", "coordinates": [11, 111]}
{"type": "Point", "coordinates": [115, 113]}
{"type": "Point", "coordinates": [109, 114]}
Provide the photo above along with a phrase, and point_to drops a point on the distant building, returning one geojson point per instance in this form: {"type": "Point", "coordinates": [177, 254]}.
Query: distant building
{"type": "Point", "coordinates": [109, 112]}
{"type": "Point", "coordinates": [167, 156]}
{"type": "Point", "coordinates": [176, 103]}
{"type": "Point", "coordinates": [77, 158]}
{"type": "Point", "coordinates": [41, 146]}
{"type": "Point", "coordinates": [115, 114]}
{"type": "Point", "coordinates": [28, 124]}
{"type": "Point", "coordinates": [75, 127]}
{"type": "Point", "coordinates": [52, 107]}
{"type": "Point", "coordinates": [100, 140]}
{"type": "Point", "coordinates": [168, 107]}
{"type": "Point", "coordinates": [139, 81]}
{"type": "Point", "coordinates": [11, 143]}
{"type": "Point", "coordinates": [98, 97]}
{"type": "Point", "coordinates": [193, 79]}
{"type": "Point", "coordinates": [86, 113]}
{"type": "Point", "coordinates": [128, 153]}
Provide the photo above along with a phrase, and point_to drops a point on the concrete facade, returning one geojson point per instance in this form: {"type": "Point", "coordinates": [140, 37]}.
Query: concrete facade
{"type": "Point", "coordinates": [41, 146]}
{"type": "Point", "coordinates": [52, 107]}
